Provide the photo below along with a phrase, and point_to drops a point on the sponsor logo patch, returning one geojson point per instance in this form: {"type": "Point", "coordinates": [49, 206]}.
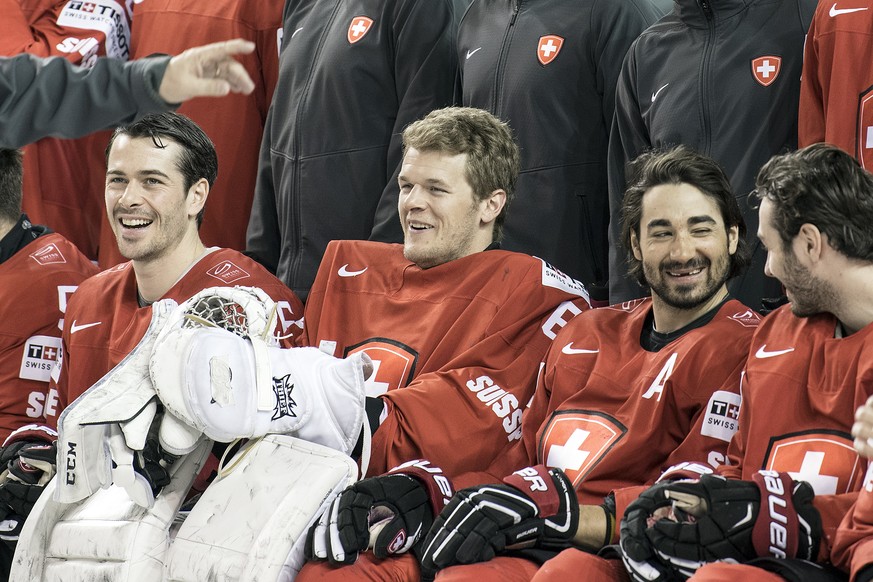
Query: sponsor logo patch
{"type": "Point", "coordinates": [358, 28]}
{"type": "Point", "coordinates": [747, 318]}
{"type": "Point", "coordinates": [228, 272]}
{"type": "Point", "coordinates": [766, 69]}
{"type": "Point", "coordinates": [393, 364]}
{"type": "Point", "coordinates": [722, 415]}
{"type": "Point", "coordinates": [39, 357]}
{"type": "Point", "coordinates": [106, 16]}
{"type": "Point", "coordinates": [48, 255]}
{"type": "Point", "coordinates": [576, 440]}
{"type": "Point", "coordinates": [554, 278]}
{"type": "Point", "coordinates": [826, 459]}
{"type": "Point", "coordinates": [285, 405]}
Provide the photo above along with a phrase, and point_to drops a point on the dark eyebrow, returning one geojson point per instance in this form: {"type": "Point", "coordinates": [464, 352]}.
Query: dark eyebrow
{"type": "Point", "coordinates": [658, 222]}
{"type": "Point", "coordinates": [141, 173]}
{"type": "Point", "coordinates": [694, 220]}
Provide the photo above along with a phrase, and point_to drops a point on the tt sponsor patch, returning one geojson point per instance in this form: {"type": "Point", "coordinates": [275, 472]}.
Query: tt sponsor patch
{"type": "Point", "coordinates": [722, 415]}
{"type": "Point", "coordinates": [106, 16]}
{"type": "Point", "coordinates": [39, 357]}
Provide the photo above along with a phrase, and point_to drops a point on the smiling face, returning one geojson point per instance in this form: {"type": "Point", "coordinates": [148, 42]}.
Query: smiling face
{"type": "Point", "coordinates": [148, 207]}
{"type": "Point", "coordinates": [684, 246]}
{"type": "Point", "coordinates": [442, 219]}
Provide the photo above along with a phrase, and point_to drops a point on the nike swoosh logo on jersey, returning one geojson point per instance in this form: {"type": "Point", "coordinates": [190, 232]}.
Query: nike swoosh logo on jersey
{"type": "Point", "coordinates": [763, 353]}
{"type": "Point", "coordinates": [344, 272]}
{"type": "Point", "coordinates": [658, 92]}
{"type": "Point", "coordinates": [473, 52]}
{"type": "Point", "coordinates": [570, 350]}
{"type": "Point", "coordinates": [835, 12]}
{"type": "Point", "coordinates": [74, 328]}
{"type": "Point", "coordinates": [293, 34]}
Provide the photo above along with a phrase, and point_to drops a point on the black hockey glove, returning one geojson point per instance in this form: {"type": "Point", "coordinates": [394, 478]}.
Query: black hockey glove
{"type": "Point", "coordinates": [536, 508]}
{"type": "Point", "coordinates": [29, 466]}
{"type": "Point", "coordinates": [675, 528]}
{"type": "Point", "coordinates": [393, 511]}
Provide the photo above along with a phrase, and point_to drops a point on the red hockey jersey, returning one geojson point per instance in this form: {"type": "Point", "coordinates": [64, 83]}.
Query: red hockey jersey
{"type": "Point", "coordinates": [106, 321]}
{"type": "Point", "coordinates": [456, 347]}
{"type": "Point", "coordinates": [836, 89]}
{"type": "Point", "coordinates": [64, 179]}
{"type": "Point", "coordinates": [614, 416]}
{"type": "Point", "coordinates": [36, 283]}
{"type": "Point", "coordinates": [853, 542]}
{"type": "Point", "coordinates": [800, 392]}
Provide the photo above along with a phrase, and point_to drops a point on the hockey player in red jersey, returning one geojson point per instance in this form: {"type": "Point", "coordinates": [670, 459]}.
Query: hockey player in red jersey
{"type": "Point", "coordinates": [39, 270]}
{"type": "Point", "coordinates": [613, 381]}
{"type": "Point", "coordinates": [455, 326]}
{"type": "Point", "coordinates": [809, 358]}
{"type": "Point", "coordinates": [159, 172]}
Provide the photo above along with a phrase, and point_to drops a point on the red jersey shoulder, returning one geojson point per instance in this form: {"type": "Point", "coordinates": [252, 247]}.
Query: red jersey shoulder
{"type": "Point", "coordinates": [226, 268]}
{"type": "Point", "coordinates": [229, 268]}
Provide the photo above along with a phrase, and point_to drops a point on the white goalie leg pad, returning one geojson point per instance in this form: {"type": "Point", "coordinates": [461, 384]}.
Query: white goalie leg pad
{"type": "Point", "coordinates": [231, 387]}
{"type": "Point", "coordinates": [106, 536]}
{"type": "Point", "coordinates": [123, 397]}
{"type": "Point", "coordinates": [250, 524]}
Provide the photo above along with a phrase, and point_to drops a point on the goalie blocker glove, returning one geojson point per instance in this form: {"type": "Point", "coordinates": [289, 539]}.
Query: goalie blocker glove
{"type": "Point", "coordinates": [536, 507]}
{"type": "Point", "coordinates": [392, 513]}
{"type": "Point", "coordinates": [675, 528]}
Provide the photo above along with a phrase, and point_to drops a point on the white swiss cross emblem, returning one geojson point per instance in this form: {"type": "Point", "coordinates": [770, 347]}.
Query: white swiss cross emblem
{"type": "Point", "coordinates": [548, 48]}
{"type": "Point", "coordinates": [359, 27]}
{"type": "Point", "coordinates": [766, 69]}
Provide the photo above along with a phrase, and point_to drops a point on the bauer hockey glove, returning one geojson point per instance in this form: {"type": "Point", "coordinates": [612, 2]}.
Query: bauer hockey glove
{"type": "Point", "coordinates": [536, 507]}
{"type": "Point", "coordinates": [675, 528]}
{"type": "Point", "coordinates": [28, 467]}
{"type": "Point", "coordinates": [390, 513]}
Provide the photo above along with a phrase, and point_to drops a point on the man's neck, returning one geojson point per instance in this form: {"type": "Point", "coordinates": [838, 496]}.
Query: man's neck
{"type": "Point", "coordinates": [853, 306]}
{"type": "Point", "coordinates": [155, 277]}
{"type": "Point", "coordinates": [668, 318]}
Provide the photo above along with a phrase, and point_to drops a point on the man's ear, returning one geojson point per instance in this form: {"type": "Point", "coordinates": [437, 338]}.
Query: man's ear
{"type": "Point", "coordinates": [809, 244]}
{"type": "Point", "coordinates": [197, 195]}
{"type": "Point", "coordinates": [491, 207]}
{"type": "Point", "coordinates": [733, 236]}
{"type": "Point", "coordinates": [635, 246]}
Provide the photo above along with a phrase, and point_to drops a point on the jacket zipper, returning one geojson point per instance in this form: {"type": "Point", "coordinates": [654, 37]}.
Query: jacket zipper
{"type": "Point", "coordinates": [501, 61]}
{"type": "Point", "coordinates": [706, 6]}
{"type": "Point", "coordinates": [296, 261]}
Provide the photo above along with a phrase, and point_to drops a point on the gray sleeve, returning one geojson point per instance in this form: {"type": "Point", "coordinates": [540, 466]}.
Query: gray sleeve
{"type": "Point", "coordinates": [51, 97]}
